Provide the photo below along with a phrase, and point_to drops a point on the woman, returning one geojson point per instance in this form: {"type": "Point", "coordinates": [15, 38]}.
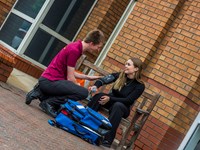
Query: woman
{"type": "Point", "coordinates": [127, 88]}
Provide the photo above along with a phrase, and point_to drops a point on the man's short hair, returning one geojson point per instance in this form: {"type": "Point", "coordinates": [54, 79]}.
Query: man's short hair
{"type": "Point", "coordinates": [95, 36]}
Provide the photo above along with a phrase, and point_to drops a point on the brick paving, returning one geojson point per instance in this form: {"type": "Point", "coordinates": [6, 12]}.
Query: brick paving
{"type": "Point", "coordinates": [24, 127]}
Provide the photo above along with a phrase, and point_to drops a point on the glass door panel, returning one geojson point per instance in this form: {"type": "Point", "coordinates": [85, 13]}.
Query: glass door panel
{"type": "Point", "coordinates": [65, 17]}
{"type": "Point", "coordinates": [29, 7]}
{"type": "Point", "coordinates": [194, 141]}
{"type": "Point", "coordinates": [14, 30]}
{"type": "Point", "coordinates": [43, 47]}
{"type": "Point", "coordinates": [19, 21]}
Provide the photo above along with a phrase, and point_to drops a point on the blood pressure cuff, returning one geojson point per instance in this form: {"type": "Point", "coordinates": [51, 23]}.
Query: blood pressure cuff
{"type": "Point", "coordinates": [105, 80]}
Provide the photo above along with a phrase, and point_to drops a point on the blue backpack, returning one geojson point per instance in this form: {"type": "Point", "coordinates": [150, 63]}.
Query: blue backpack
{"type": "Point", "coordinates": [82, 122]}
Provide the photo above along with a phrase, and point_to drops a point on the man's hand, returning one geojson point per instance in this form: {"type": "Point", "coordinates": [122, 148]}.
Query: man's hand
{"type": "Point", "coordinates": [78, 83]}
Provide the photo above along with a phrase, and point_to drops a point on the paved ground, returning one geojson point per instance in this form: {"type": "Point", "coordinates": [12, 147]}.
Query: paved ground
{"type": "Point", "coordinates": [24, 127]}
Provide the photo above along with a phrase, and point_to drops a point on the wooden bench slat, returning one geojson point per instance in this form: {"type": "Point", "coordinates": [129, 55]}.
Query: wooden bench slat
{"type": "Point", "coordinates": [95, 68]}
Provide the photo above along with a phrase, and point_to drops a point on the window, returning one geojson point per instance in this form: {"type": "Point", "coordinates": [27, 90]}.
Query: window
{"type": "Point", "coordinates": [19, 21]}
{"type": "Point", "coordinates": [38, 29]}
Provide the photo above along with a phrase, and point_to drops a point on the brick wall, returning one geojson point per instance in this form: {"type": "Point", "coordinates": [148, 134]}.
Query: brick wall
{"type": "Point", "coordinates": [5, 6]}
{"type": "Point", "coordinates": [6, 64]}
{"type": "Point", "coordinates": [165, 35]}
{"type": "Point", "coordinates": [27, 67]}
{"type": "Point", "coordinates": [15, 61]}
{"type": "Point", "coordinates": [178, 63]}
{"type": "Point", "coordinates": [104, 16]}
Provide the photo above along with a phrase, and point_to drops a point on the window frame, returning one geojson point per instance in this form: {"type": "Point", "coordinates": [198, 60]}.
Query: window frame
{"type": "Point", "coordinates": [35, 25]}
{"type": "Point", "coordinates": [190, 133]}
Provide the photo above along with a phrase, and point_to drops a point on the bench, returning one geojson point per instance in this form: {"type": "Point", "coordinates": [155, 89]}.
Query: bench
{"type": "Point", "coordinates": [141, 109]}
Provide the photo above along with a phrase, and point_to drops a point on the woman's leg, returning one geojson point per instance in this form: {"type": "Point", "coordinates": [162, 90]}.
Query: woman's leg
{"type": "Point", "coordinates": [116, 113]}
{"type": "Point", "coordinates": [94, 103]}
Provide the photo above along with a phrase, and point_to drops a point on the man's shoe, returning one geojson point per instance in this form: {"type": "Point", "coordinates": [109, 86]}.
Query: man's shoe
{"type": "Point", "coordinates": [35, 93]}
{"type": "Point", "coordinates": [43, 105]}
{"type": "Point", "coordinates": [49, 109]}
{"type": "Point", "coordinates": [30, 97]}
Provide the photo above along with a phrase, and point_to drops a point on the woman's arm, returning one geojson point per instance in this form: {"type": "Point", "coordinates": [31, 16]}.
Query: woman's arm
{"type": "Point", "coordinates": [130, 99]}
{"type": "Point", "coordinates": [106, 80]}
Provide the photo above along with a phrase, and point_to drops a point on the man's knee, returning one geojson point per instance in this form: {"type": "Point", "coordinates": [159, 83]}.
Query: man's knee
{"type": "Point", "coordinates": [83, 93]}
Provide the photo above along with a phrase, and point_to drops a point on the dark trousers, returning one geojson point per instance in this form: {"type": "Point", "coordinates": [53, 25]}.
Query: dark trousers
{"type": "Point", "coordinates": [58, 91]}
{"type": "Point", "coordinates": [117, 111]}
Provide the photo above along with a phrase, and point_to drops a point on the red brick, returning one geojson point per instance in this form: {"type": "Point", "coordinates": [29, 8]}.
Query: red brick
{"type": "Point", "coordinates": [3, 78]}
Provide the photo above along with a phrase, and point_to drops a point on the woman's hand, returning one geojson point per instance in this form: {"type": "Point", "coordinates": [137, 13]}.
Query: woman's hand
{"type": "Point", "coordinates": [104, 99]}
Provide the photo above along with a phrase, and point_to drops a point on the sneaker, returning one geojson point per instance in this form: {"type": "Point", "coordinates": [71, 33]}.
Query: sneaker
{"type": "Point", "coordinates": [49, 109]}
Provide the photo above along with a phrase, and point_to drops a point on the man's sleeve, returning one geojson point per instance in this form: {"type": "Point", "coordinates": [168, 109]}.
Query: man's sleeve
{"type": "Point", "coordinates": [72, 59]}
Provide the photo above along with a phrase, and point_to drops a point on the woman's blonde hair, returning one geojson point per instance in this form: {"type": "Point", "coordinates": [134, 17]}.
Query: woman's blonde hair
{"type": "Point", "coordinates": [121, 81]}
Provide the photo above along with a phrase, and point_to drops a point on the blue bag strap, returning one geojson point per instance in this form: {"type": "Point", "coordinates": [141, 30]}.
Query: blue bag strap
{"type": "Point", "coordinates": [79, 132]}
{"type": "Point", "coordinates": [75, 107]}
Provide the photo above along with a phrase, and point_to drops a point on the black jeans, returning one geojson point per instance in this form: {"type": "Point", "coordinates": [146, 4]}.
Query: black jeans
{"type": "Point", "coordinates": [60, 90]}
{"type": "Point", "coordinates": [117, 111]}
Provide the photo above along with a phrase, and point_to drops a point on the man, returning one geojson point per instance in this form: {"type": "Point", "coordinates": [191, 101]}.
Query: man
{"type": "Point", "coordinates": [58, 81]}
